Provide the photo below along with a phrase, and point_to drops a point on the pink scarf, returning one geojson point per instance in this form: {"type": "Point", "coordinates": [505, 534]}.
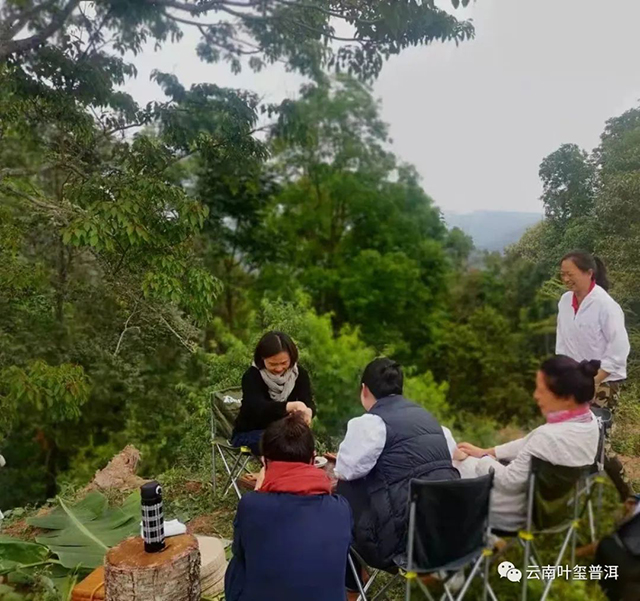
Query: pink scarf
{"type": "Point", "coordinates": [581, 415]}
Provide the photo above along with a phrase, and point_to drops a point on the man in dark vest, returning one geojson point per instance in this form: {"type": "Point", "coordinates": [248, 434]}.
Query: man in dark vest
{"type": "Point", "coordinates": [394, 442]}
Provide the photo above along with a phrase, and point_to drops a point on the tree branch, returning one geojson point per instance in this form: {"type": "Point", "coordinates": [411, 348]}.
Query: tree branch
{"type": "Point", "coordinates": [10, 29]}
{"type": "Point", "coordinates": [17, 46]}
{"type": "Point", "coordinates": [190, 346]}
{"type": "Point", "coordinates": [327, 11]}
{"type": "Point", "coordinates": [205, 34]}
{"type": "Point", "coordinates": [96, 33]}
{"type": "Point", "coordinates": [11, 190]}
{"type": "Point", "coordinates": [198, 9]}
{"type": "Point", "coordinates": [11, 172]}
{"type": "Point", "coordinates": [109, 132]}
{"type": "Point", "coordinates": [125, 330]}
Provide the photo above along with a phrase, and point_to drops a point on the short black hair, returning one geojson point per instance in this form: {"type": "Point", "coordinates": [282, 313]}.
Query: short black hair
{"type": "Point", "coordinates": [273, 343]}
{"type": "Point", "coordinates": [383, 377]}
{"type": "Point", "coordinates": [288, 439]}
{"type": "Point", "coordinates": [565, 377]}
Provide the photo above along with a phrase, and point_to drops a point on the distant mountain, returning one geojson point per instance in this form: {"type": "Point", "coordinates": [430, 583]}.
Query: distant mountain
{"type": "Point", "coordinates": [493, 230]}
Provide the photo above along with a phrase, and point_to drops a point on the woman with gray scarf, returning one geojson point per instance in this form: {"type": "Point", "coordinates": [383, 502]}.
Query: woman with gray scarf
{"type": "Point", "coordinates": [272, 387]}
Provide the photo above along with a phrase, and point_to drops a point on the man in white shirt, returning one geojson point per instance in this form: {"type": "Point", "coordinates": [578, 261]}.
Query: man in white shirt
{"type": "Point", "coordinates": [383, 450]}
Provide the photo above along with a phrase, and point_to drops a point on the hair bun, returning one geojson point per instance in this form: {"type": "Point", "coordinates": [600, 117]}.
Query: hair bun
{"type": "Point", "coordinates": [589, 368]}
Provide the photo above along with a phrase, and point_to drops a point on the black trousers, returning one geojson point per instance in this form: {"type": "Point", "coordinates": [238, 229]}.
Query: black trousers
{"type": "Point", "coordinates": [611, 552]}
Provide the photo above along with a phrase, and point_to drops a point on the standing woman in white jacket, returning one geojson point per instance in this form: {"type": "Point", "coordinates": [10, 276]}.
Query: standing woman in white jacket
{"type": "Point", "coordinates": [591, 325]}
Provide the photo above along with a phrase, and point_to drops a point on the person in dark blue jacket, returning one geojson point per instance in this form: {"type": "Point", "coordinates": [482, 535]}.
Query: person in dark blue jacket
{"type": "Point", "coordinates": [291, 536]}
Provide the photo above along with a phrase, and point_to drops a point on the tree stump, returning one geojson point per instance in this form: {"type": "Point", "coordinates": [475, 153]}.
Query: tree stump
{"type": "Point", "coordinates": [171, 575]}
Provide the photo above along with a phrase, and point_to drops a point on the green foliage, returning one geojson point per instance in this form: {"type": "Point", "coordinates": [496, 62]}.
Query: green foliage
{"type": "Point", "coordinates": [138, 270]}
{"type": "Point", "coordinates": [618, 202]}
{"type": "Point", "coordinates": [50, 568]}
{"type": "Point", "coordinates": [488, 367]}
{"type": "Point", "coordinates": [348, 218]}
{"type": "Point", "coordinates": [568, 181]}
{"type": "Point", "coordinates": [84, 532]}
{"type": "Point", "coordinates": [296, 33]}
{"type": "Point", "coordinates": [15, 553]}
{"type": "Point", "coordinates": [58, 392]}
{"type": "Point", "coordinates": [424, 390]}
{"type": "Point", "coordinates": [114, 247]}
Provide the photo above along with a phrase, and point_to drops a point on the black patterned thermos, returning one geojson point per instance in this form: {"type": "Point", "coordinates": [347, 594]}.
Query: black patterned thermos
{"type": "Point", "coordinates": [152, 517]}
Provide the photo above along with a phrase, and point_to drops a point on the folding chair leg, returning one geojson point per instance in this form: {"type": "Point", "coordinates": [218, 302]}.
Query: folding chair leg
{"type": "Point", "coordinates": [213, 469]}
{"type": "Point", "coordinates": [224, 461]}
{"type": "Point", "coordinates": [527, 552]}
{"type": "Point", "coordinates": [574, 544]}
{"type": "Point", "coordinates": [212, 429]}
{"type": "Point", "coordinates": [563, 550]}
{"type": "Point", "coordinates": [232, 471]}
{"type": "Point", "coordinates": [372, 579]}
{"type": "Point", "coordinates": [447, 594]}
{"type": "Point", "coordinates": [491, 593]}
{"type": "Point", "coordinates": [592, 522]}
{"type": "Point", "coordinates": [485, 587]}
{"type": "Point", "coordinates": [527, 542]}
{"type": "Point", "coordinates": [229, 471]}
{"type": "Point", "coordinates": [363, 596]}
{"type": "Point", "coordinates": [234, 477]}
{"type": "Point", "coordinates": [382, 594]}
{"type": "Point", "coordinates": [467, 583]}
{"type": "Point", "coordinates": [600, 497]}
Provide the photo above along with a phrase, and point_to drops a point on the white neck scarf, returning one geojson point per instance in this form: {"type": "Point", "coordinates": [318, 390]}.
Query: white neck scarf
{"type": "Point", "coordinates": [280, 387]}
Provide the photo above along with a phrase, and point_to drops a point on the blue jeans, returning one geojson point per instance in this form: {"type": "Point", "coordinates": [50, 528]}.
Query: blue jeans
{"type": "Point", "coordinates": [248, 439]}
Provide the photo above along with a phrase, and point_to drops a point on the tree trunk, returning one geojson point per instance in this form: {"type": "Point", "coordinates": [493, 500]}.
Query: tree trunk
{"type": "Point", "coordinates": [171, 575]}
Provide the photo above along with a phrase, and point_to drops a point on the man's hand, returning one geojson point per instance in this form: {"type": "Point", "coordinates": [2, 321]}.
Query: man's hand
{"type": "Point", "coordinates": [472, 450]}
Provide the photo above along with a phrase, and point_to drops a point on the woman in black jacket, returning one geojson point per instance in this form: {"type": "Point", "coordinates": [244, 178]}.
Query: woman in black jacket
{"type": "Point", "coordinates": [272, 387]}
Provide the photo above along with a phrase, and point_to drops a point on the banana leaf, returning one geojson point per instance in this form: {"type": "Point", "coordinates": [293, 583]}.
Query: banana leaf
{"type": "Point", "coordinates": [15, 553]}
{"type": "Point", "coordinates": [83, 533]}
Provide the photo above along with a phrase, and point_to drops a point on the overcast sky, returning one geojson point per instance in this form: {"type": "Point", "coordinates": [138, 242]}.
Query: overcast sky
{"type": "Point", "coordinates": [476, 120]}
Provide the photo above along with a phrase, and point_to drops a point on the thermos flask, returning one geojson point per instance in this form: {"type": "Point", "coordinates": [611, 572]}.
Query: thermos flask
{"type": "Point", "coordinates": [152, 517]}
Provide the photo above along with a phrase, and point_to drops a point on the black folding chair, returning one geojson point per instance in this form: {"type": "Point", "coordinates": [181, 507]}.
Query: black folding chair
{"type": "Point", "coordinates": [554, 506]}
{"type": "Point", "coordinates": [448, 531]}
{"type": "Point", "coordinates": [225, 405]}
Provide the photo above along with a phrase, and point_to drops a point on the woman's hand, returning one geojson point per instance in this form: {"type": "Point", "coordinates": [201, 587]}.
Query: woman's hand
{"type": "Point", "coordinates": [474, 451]}
{"type": "Point", "coordinates": [302, 408]}
{"type": "Point", "coordinates": [459, 455]}
{"type": "Point", "coordinates": [296, 406]}
{"type": "Point", "coordinates": [601, 376]}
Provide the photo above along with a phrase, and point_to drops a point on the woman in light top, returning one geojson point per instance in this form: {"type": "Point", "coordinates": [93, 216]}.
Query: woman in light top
{"type": "Point", "coordinates": [591, 325]}
{"type": "Point", "coordinates": [274, 386]}
{"type": "Point", "coordinates": [564, 389]}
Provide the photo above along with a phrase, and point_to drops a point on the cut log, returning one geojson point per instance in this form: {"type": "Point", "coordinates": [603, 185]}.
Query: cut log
{"type": "Point", "coordinates": [171, 575]}
{"type": "Point", "coordinates": [119, 473]}
{"type": "Point", "coordinates": [214, 565]}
